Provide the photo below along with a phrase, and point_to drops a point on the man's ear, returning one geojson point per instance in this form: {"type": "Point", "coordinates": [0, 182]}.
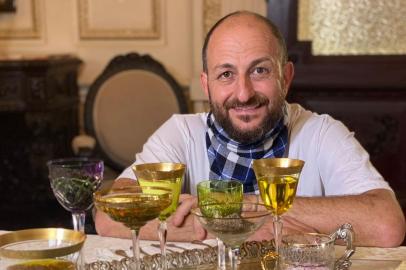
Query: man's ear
{"type": "Point", "coordinates": [288, 73]}
{"type": "Point", "coordinates": [204, 83]}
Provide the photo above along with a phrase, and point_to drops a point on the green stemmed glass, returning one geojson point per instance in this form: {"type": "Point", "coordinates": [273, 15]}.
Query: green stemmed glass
{"type": "Point", "coordinates": [219, 192]}
{"type": "Point", "coordinates": [165, 175]}
{"type": "Point", "coordinates": [73, 181]}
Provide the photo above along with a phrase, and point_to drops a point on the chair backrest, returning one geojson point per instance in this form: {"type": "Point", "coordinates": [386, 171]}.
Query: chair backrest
{"type": "Point", "coordinates": [132, 97]}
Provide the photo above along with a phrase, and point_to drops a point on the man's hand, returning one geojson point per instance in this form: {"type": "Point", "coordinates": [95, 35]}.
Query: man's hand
{"type": "Point", "coordinates": [183, 218]}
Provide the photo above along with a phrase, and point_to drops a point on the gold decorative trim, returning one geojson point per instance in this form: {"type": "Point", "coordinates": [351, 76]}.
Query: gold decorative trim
{"type": "Point", "coordinates": [72, 240]}
{"type": "Point", "coordinates": [33, 32]}
{"type": "Point", "coordinates": [304, 32]}
{"type": "Point", "coordinates": [211, 14]}
{"type": "Point", "coordinates": [86, 32]}
{"type": "Point", "coordinates": [368, 27]}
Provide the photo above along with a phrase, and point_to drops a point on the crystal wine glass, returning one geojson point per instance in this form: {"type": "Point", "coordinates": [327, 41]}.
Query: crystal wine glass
{"type": "Point", "coordinates": [73, 181]}
{"type": "Point", "coordinates": [133, 206]}
{"type": "Point", "coordinates": [233, 223]}
{"type": "Point", "coordinates": [219, 191]}
{"type": "Point", "coordinates": [277, 181]}
{"type": "Point", "coordinates": [167, 175]}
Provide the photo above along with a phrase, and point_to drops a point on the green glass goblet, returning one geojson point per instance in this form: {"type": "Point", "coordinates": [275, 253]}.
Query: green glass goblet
{"type": "Point", "coordinates": [219, 192]}
{"type": "Point", "coordinates": [166, 175]}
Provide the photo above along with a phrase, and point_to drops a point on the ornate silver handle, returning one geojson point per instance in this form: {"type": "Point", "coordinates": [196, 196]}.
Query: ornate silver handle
{"type": "Point", "coordinates": [346, 233]}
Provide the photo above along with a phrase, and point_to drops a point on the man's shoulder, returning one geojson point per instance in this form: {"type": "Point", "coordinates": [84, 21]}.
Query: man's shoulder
{"type": "Point", "coordinates": [195, 121]}
{"type": "Point", "coordinates": [307, 123]}
{"type": "Point", "coordinates": [299, 116]}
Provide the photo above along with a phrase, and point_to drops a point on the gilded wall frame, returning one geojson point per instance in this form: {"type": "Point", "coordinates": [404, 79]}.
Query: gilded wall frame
{"type": "Point", "coordinates": [32, 32]}
{"type": "Point", "coordinates": [89, 33]}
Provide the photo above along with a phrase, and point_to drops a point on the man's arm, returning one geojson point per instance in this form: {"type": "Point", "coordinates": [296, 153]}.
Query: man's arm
{"type": "Point", "coordinates": [375, 216]}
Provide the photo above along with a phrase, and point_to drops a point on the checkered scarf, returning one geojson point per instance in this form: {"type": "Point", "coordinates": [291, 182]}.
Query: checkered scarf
{"type": "Point", "coordinates": [230, 160]}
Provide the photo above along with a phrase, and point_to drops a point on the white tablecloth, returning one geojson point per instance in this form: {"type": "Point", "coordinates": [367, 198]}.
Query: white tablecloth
{"type": "Point", "coordinates": [102, 248]}
{"type": "Point", "coordinates": [99, 248]}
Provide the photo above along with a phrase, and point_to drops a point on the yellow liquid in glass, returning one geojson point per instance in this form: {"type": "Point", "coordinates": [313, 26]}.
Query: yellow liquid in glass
{"type": "Point", "coordinates": [133, 210]}
{"type": "Point", "coordinates": [46, 264]}
{"type": "Point", "coordinates": [174, 184]}
{"type": "Point", "coordinates": [278, 192]}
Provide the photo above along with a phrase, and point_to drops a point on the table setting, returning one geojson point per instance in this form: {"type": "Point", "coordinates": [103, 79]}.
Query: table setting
{"type": "Point", "coordinates": [221, 210]}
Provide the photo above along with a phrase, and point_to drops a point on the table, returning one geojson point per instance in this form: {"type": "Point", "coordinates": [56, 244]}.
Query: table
{"type": "Point", "coordinates": [102, 248]}
{"type": "Point", "coordinates": [98, 248]}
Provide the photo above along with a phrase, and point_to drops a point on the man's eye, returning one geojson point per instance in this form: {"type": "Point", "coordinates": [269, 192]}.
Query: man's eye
{"type": "Point", "coordinates": [261, 70]}
{"type": "Point", "coordinates": [225, 75]}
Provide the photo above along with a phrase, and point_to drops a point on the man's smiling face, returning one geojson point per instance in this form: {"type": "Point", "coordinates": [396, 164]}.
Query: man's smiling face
{"type": "Point", "coordinates": [245, 82]}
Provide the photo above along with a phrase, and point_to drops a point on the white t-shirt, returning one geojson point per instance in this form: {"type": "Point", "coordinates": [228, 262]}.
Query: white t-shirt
{"type": "Point", "coordinates": [335, 162]}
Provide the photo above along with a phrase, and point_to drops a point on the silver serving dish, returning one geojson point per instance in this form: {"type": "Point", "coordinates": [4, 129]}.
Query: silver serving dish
{"type": "Point", "coordinates": [251, 254]}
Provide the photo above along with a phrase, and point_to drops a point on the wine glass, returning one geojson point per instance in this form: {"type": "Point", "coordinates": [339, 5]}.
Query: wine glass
{"type": "Point", "coordinates": [133, 206]}
{"type": "Point", "coordinates": [73, 181]}
{"type": "Point", "coordinates": [167, 175]}
{"type": "Point", "coordinates": [219, 191]}
{"type": "Point", "coordinates": [233, 223]}
{"type": "Point", "coordinates": [277, 181]}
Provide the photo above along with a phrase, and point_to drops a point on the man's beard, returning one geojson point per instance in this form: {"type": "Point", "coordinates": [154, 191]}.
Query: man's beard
{"type": "Point", "coordinates": [273, 114]}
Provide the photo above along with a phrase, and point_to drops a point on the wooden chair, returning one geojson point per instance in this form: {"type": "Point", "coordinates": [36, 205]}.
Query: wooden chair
{"type": "Point", "coordinates": [128, 101]}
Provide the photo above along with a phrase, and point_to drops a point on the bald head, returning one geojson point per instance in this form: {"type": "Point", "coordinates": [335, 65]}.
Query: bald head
{"type": "Point", "coordinates": [250, 19]}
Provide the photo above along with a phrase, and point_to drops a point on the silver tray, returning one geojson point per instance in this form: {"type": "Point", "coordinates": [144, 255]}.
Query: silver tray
{"type": "Point", "coordinates": [251, 254]}
{"type": "Point", "coordinates": [206, 258]}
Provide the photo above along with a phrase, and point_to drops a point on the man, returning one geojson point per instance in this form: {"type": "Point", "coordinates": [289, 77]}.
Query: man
{"type": "Point", "coordinates": [246, 76]}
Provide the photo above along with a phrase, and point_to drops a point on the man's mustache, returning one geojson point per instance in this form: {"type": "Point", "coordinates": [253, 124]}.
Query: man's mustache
{"type": "Point", "coordinates": [255, 101]}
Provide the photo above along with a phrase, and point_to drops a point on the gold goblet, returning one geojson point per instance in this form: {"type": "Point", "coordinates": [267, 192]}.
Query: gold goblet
{"type": "Point", "coordinates": [165, 175]}
{"type": "Point", "coordinates": [277, 181]}
{"type": "Point", "coordinates": [134, 207]}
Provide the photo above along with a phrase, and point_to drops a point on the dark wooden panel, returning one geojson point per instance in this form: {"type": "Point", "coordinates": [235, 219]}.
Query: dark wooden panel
{"type": "Point", "coordinates": [39, 117]}
{"type": "Point", "coordinates": [368, 93]}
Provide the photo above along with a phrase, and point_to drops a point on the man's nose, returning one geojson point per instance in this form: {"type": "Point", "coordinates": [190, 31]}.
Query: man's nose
{"type": "Point", "coordinates": [245, 89]}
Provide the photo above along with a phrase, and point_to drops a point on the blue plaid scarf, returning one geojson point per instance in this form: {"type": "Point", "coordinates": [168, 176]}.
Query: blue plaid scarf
{"type": "Point", "coordinates": [230, 160]}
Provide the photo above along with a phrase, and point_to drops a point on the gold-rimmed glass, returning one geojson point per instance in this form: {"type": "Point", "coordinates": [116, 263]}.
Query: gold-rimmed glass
{"type": "Point", "coordinates": [166, 175]}
{"type": "Point", "coordinates": [220, 192]}
{"type": "Point", "coordinates": [133, 206]}
{"type": "Point", "coordinates": [277, 181]}
{"type": "Point", "coordinates": [232, 223]}
{"type": "Point", "coordinates": [44, 248]}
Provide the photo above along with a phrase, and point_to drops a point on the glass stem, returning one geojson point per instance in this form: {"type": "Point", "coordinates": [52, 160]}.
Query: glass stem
{"type": "Point", "coordinates": [136, 263]}
{"type": "Point", "coordinates": [78, 219]}
{"type": "Point", "coordinates": [277, 229]}
{"type": "Point", "coordinates": [234, 258]}
{"type": "Point", "coordinates": [162, 233]}
{"type": "Point", "coordinates": [221, 255]}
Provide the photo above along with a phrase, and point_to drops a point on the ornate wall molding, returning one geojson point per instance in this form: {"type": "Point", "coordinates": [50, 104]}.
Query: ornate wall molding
{"type": "Point", "coordinates": [211, 13]}
{"type": "Point", "coordinates": [33, 31]}
{"type": "Point", "coordinates": [86, 31]}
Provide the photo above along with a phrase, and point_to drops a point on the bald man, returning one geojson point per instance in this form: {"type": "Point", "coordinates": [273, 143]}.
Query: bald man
{"type": "Point", "coordinates": [246, 76]}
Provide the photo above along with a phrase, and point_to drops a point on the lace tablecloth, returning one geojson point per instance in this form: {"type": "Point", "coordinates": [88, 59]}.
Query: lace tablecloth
{"type": "Point", "coordinates": [99, 248]}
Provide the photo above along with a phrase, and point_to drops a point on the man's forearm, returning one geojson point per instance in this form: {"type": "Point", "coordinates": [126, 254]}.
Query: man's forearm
{"type": "Point", "coordinates": [375, 216]}
{"type": "Point", "coordinates": [105, 226]}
